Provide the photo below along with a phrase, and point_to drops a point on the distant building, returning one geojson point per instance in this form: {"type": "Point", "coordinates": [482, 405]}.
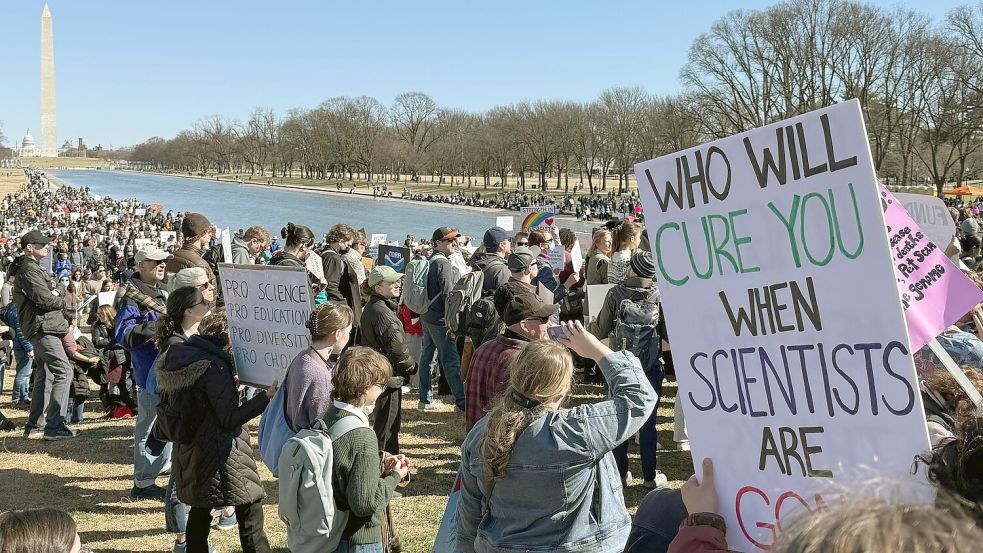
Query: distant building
{"type": "Point", "coordinates": [28, 148]}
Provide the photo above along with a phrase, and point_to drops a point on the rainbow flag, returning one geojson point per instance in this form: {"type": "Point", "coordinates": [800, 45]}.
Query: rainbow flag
{"type": "Point", "coordinates": [536, 217]}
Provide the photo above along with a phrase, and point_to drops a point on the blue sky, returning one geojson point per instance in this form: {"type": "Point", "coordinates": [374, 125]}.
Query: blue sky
{"type": "Point", "coordinates": [130, 70]}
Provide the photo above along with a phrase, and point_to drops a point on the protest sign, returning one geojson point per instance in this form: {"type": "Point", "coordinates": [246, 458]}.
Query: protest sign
{"type": "Point", "coordinates": [74, 216]}
{"type": "Point", "coordinates": [111, 218]}
{"type": "Point", "coordinates": [595, 301]}
{"type": "Point", "coordinates": [374, 243]}
{"type": "Point", "coordinates": [576, 257]}
{"type": "Point", "coordinates": [225, 237]}
{"type": "Point", "coordinates": [544, 293]}
{"type": "Point", "coordinates": [536, 217]}
{"type": "Point", "coordinates": [505, 222]}
{"type": "Point", "coordinates": [934, 292]}
{"type": "Point", "coordinates": [268, 308]}
{"type": "Point", "coordinates": [394, 256]}
{"type": "Point", "coordinates": [787, 330]}
{"type": "Point", "coordinates": [168, 238]}
{"type": "Point", "coordinates": [931, 215]}
{"type": "Point", "coordinates": [140, 212]}
{"type": "Point", "coordinates": [557, 256]}
{"type": "Point", "coordinates": [140, 243]}
{"type": "Point", "coordinates": [107, 298]}
{"type": "Point", "coordinates": [315, 265]}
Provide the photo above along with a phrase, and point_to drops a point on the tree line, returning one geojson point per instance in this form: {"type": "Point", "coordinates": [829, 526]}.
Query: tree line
{"type": "Point", "coordinates": [919, 82]}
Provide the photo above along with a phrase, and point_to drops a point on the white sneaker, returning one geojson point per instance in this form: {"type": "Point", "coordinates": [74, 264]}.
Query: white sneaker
{"type": "Point", "coordinates": [683, 445]}
{"type": "Point", "coordinates": [435, 405]}
{"type": "Point", "coordinates": [660, 481]}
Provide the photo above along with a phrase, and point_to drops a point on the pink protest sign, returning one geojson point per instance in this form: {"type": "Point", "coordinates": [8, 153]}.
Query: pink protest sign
{"type": "Point", "coordinates": [934, 292]}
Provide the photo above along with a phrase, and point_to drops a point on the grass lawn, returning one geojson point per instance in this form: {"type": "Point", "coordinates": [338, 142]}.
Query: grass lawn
{"type": "Point", "coordinates": [90, 477]}
{"type": "Point", "coordinates": [11, 180]}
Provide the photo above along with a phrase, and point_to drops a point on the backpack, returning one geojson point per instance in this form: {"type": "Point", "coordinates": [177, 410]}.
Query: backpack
{"type": "Point", "coordinates": [415, 285]}
{"type": "Point", "coordinates": [459, 301]}
{"type": "Point", "coordinates": [307, 506]}
{"type": "Point", "coordinates": [484, 323]}
{"type": "Point", "coordinates": [274, 430]}
{"type": "Point", "coordinates": [213, 256]}
{"type": "Point", "coordinates": [635, 329]}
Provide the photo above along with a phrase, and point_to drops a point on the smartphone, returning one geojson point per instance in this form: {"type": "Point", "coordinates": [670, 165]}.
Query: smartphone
{"type": "Point", "coordinates": [557, 333]}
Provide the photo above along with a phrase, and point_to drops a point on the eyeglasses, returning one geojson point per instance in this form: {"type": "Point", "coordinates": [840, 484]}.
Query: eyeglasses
{"type": "Point", "coordinates": [205, 286]}
{"type": "Point", "coordinates": [522, 244]}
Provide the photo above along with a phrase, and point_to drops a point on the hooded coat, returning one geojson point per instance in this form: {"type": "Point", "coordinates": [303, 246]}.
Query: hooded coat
{"type": "Point", "coordinates": [217, 468]}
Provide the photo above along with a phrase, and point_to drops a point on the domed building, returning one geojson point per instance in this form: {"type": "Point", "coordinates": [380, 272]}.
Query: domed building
{"type": "Point", "coordinates": [28, 148]}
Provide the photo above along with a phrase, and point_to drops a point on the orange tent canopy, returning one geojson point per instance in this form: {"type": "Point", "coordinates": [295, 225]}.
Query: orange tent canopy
{"type": "Point", "coordinates": [965, 191]}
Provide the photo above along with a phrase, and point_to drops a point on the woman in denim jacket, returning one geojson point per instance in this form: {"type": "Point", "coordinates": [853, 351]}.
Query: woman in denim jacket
{"type": "Point", "coordinates": [537, 477]}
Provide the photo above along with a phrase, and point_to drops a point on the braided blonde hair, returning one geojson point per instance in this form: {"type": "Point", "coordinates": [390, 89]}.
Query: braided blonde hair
{"type": "Point", "coordinates": [542, 372]}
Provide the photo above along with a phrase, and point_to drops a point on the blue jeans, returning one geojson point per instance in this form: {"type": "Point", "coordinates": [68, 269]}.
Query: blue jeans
{"type": "Point", "coordinates": [146, 467]}
{"type": "Point", "coordinates": [23, 362]}
{"type": "Point", "coordinates": [436, 341]}
{"type": "Point", "coordinates": [347, 547]}
{"type": "Point", "coordinates": [647, 441]}
{"type": "Point", "coordinates": [175, 512]}
{"type": "Point", "coordinates": [76, 409]}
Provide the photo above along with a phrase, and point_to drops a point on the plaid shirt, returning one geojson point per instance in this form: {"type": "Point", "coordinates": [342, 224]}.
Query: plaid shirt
{"type": "Point", "coordinates": [489, 374]}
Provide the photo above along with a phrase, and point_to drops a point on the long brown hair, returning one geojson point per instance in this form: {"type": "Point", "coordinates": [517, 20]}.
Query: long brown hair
{"type": "Point", "coordinates": [541, 372]}
{"type": "Point", "coordinates": [624, 234]}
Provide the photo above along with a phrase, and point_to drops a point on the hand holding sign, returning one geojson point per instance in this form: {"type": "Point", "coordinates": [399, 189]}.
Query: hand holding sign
{"type": "Point", "coordinates": [700, 497]}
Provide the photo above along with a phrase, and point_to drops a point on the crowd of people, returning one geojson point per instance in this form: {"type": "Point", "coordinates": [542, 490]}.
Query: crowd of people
{"type": "Point", "coordinates": [500, 326]}
{"type": "Point", "coordinates": [596, 207]}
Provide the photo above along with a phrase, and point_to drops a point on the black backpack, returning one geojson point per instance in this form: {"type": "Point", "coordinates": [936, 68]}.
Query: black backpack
{"type": "Point", "coordinates": [635, 329]}
{"type": "Point", "coordinates": [213, 256]}
{"type": "Point", "coordinates": [484, 324]}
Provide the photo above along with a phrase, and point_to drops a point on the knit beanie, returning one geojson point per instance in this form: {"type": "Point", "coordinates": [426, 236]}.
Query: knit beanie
{"type": "Point", "coordinates": [642, 264]}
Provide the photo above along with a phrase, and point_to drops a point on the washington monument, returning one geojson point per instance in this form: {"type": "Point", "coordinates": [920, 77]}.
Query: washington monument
{"type": "Point", "coordinates": [49, 127]}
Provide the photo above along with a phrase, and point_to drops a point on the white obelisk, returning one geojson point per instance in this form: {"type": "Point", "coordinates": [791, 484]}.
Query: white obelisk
{"type": "Point", "coordinates": [49, 127]}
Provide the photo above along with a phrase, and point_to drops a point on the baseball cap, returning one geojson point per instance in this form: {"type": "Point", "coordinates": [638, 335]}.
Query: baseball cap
{"type": "Point", "coordinates": [151, 253]}
{"type": "Point", "coordinates": [520, 259]}
{"type": "Point", "coordinates": [383, 273]}
{"type": "Point", "coordinates": [445, 233]}
{"type": "Point", "coordinates": [34, 237]}
{"type": "Point", "coordinates": [524, 306]}
{"type": "Point", "coordinates": [195, 224]}
{"type": "Point", "coordinates": [493, 237]}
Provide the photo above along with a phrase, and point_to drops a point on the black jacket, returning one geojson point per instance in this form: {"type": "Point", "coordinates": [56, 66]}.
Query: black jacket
{"type": "Point", "coordinates": [383, 332]}
{"type": "Point", "coordinates": [39, 310]}
{"type": "Point", "coordinates": [342, 282]}
{"type": "Point", "coordinates": [217, 468]}
{"type": "Point", "coordinates": [495, 269]}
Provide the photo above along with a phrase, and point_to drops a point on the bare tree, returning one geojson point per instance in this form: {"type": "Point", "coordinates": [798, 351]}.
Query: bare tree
{"type": "Point", "coordinates": [416, 118]}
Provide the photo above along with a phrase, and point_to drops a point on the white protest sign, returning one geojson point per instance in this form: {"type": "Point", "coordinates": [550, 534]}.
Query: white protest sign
{"type": "Point", "coordinates": [111, 218]}
{"type": "Point", "coordinates": [374, 242]}
{"type": "Point", "coordinates": [585, 239]}
{"type": "Point", "coordinates": [931, 215]}
{"type": "Point", "coordinates": [140, 243]}
{"type": "Point", "coordinates": [557, 256]}
{"type": "Point", "coordinates": [576, 257]}
{"type": "Point", "coordinates": [168, 237]}
{"type": "Point", "coordinates": [140, 212]}
{"type": "Point", "coordinates": [107, 298]}
{"type": "Point", "coordinates": [74, 216]}
{"type": "Point", "coordinates": [268, 308]}
{"type": "Point", "coordinates": [536, 217]}
{"type": "Point", "coordinates": [544, 294]}
{"type": "Point", "coordinates": [505, 222]}
{"type": "Point", "coordinates": [225, 237]}
{"type": "Point", "coordinates": [786, 326]}
{"type": "Point", "coordinates": [595, 301]}
{"type": "Point", "coordinates": [314, 265]}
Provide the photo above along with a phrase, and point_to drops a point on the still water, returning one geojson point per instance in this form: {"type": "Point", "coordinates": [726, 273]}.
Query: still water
{"type": "Point", "coordinates": [238, 206]}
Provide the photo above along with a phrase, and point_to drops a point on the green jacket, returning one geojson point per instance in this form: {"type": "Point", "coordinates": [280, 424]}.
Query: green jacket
{"type": "Point", "coordinates": [358, 487]}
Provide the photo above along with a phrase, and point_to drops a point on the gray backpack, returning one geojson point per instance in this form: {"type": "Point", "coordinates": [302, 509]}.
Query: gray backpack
{"type": "Point", "coordinates": [307, 506]}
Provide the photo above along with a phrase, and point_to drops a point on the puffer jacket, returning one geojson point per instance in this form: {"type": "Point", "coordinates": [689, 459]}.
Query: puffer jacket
{"type": "Point", "coordinates": [138, 307]}
{"type": "Point", "coordinates": [39, 310]}
{"type": "Point", "coordinates": [383, 332]}
{"type": "Point", "coordinates": [217, 468]}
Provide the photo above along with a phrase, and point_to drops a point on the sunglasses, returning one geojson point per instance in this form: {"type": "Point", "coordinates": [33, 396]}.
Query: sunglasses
{"type": "Point", "coordinates": [522, 243]}
{"type": "Point", "coordinates": [205, 286]}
